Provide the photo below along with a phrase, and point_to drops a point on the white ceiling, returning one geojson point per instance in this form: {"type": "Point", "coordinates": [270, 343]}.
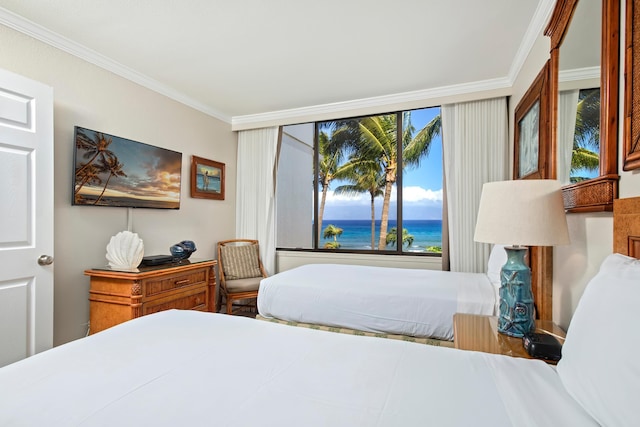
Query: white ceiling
{"type": "Point", "coordinates": [239, 58]}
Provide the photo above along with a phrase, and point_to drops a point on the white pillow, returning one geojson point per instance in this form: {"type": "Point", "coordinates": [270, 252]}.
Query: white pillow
{"type": "Point", "coordinates": [497, 259]}
{"type": "Point", "coordinates": [600, 365]}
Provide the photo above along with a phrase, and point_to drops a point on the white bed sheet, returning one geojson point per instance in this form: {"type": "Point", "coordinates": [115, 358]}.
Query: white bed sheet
{"type": "Point", "coordinates": [402, 301]}
{"type": "Point", "coordinates": [187, 368]}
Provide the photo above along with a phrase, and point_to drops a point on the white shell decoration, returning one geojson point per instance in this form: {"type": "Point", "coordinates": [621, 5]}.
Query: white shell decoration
{"type": "Point", "coordinates": [125, 251]}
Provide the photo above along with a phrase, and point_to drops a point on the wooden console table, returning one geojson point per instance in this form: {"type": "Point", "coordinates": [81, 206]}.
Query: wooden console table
{"type": "Point", "coordinates": [117, 296]}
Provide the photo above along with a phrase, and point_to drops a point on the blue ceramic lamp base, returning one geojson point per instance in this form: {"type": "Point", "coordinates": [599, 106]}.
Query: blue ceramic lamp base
{"type": "Point", "coordinates": [516, 299]}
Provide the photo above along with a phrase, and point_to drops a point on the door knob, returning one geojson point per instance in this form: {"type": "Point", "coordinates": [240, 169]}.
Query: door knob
{"type": "Point", "coordinates": [45, 260]}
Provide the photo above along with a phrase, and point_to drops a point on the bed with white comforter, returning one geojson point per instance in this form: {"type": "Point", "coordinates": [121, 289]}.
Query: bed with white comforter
{"type": "Point", "coordinates": [414, 302]}
{"type": "Point", "coordinates": [186, 368]}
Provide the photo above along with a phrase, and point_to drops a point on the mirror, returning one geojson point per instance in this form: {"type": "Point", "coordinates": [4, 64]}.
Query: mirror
{"type": "Point", "coordinates": [584, 97]}
{"type": "Point", "coordinates": [578, 133]}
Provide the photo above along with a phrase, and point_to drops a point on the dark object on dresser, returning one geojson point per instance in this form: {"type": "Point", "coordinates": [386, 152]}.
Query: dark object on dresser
{"type": "Point", "coordinates": [182, 250]}
{"type": "Point", "coordinates": [156, 260]}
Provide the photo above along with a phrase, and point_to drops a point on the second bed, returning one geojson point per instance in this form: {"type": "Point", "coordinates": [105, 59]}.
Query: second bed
{"type": "Point", "coordinates": [380, 300]}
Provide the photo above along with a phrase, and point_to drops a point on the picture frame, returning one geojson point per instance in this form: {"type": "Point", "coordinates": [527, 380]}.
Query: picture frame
{"type": "Point", "coordinates": [531, 133]}
{"type": "Point", "coordinates": [207, 179]}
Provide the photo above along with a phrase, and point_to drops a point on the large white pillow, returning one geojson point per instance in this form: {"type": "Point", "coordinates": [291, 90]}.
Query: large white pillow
{"type": "Point", "coordinates": [600, 365]}
{"type": "Point", "coordinates": [497, 259]}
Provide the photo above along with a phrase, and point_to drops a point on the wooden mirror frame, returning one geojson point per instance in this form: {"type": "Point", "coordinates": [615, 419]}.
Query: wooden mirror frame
{"type": "Point", "coordinates": [597, 194]}
{"type": "Point", "coordinates": [631, 155]}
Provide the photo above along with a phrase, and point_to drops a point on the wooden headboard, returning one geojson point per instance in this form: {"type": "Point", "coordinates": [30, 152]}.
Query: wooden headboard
{"type": "Point", "coordinates": [626, 226]}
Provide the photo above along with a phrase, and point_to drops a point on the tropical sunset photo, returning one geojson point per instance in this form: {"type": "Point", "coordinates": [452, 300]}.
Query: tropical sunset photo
{"type": "Point", "coordinates": [114, 171]}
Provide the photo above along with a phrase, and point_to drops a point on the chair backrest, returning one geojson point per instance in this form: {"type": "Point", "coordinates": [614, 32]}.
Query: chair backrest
{"type": "Point", "coordinates": [239, 259]}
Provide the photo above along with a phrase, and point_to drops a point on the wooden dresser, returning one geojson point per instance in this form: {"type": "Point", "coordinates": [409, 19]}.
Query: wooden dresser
{"type": "Point", "coordinates": [118, 296]}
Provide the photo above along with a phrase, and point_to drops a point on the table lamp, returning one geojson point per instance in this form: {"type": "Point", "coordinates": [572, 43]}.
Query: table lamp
{"type": "Point", "coordinates": [520, 213]}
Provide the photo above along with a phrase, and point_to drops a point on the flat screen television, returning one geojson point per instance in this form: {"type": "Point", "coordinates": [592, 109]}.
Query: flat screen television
{"type": "Point", "coordinates": [119, 172]}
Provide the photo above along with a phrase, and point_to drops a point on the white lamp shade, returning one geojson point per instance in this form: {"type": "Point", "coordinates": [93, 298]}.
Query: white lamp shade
{"type": "Point", "coordinates": [522, 212]}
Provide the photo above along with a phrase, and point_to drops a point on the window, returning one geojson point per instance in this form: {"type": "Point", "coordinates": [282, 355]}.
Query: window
{"type": "Point", "coordinates": [370, 192]}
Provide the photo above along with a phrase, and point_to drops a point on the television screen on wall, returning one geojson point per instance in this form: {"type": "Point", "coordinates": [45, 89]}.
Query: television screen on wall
{"type": "Point", "coordinates": [119, 172]}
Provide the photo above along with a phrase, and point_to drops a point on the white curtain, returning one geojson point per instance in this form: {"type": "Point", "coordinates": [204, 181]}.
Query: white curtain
{"type": "Point", "coordinates": [476, 150]}
{"type": "Point", "coordinates": [567, 110]}
{"type": "Point", "coordinates": [255, 192]}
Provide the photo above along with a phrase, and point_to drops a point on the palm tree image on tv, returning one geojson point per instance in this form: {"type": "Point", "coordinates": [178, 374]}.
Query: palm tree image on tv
{"type": "Point", "coordinates": [114, 171]}
{"type": "Point", "coordinates": [364, 154]}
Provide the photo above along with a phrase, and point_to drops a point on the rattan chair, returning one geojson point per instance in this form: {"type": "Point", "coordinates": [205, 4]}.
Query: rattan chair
{"type": "Point", "coordinates": [241, 271]}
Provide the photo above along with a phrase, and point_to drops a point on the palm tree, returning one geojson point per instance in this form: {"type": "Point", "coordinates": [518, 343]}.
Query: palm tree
{"type": "Point", "coordinates": [365, 178]}
{"type": "Point", "coordinates": [112, 165]}
{"type": "Point", "coordinates": [332, 232]}
{"type": "Point", "coordinates": [95, 147]}
{"type": "Point", "coordinates": [86, 175]}
{"type": "Point", "coordinates": [328, 169]}
{"type": "Point", "coordinates": [392, 237]}
{"type": "Point", "coordinates": [587, 134]}
{"type": "Point", "coordinates": [582, 159]}
{"type": "Point", "coordinates": [377, 140]}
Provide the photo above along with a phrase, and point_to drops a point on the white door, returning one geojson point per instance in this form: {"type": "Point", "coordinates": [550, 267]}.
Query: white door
{"type": "Point", "coordinates": [26, 217]}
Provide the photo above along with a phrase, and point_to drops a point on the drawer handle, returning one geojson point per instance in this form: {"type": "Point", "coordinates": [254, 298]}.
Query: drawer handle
{"type": "Point", "coordinates": [181, 282]}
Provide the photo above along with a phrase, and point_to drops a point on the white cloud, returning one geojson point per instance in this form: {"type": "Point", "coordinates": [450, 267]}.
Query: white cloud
{"type": "Point", "coordinates": [413, 194]}
{"type": "Point", "coordinates": [419, 194]}
{"type": "Point", "coordinates": [343, 199]}
{"type": "Point", "coordinates": [418, 203]}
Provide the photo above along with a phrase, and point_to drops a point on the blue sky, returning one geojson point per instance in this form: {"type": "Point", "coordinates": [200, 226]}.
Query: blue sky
{"type": "Point", "coordinates": [422, 195]}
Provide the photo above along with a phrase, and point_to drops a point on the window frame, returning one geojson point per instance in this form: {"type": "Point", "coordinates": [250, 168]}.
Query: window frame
{"type": "Point", "coordinates": [399, 194]}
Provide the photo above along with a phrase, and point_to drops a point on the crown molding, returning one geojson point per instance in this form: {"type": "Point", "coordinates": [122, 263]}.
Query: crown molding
{"type": "Point", "coordinates": [579, 74]}
{"type": "Point", "coordinates": [536, 28]}
{"type": "Point", "coordinates": [49, 37]}
{"type": "Point", "coordinates": [253, 120]}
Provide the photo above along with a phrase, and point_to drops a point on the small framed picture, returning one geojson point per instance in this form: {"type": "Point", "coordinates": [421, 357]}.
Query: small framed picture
{"type": "Point", "coordinates": [207, 179]}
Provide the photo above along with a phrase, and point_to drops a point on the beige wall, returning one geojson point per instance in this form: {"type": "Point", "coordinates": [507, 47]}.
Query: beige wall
{"type": "Point", "coordinates": [89, 96]}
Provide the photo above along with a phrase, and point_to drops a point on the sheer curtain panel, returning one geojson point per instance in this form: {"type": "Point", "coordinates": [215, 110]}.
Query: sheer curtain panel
{"type": "Point", "coordinates": [255, 192]}
{"type": "Point", "coordinates": [476, 150]}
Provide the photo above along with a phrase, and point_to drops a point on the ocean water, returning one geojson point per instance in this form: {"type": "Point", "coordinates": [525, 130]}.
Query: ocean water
{"type": "Point", "coordinates": [356, 234]}
{"type": "Point", "coordinates": [214, 183]}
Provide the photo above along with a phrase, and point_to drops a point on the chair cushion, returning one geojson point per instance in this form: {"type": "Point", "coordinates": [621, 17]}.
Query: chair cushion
{"type": "Point", "coordinates": [240, 262]}
{"type": "Point", "coordinates": [243, 285]}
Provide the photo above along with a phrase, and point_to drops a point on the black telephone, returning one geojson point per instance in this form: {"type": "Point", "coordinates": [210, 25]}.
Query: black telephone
{"type": "Point", "coordinates": [542, 346]}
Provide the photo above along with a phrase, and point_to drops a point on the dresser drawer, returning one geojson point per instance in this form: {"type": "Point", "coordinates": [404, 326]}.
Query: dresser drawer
{"type": "Point", "coordinates": [158, 285]}
{"type": "Point", "coordinates": [192, 300]}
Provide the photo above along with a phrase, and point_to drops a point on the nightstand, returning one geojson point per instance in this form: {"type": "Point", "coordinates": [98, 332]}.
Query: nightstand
{"type": "Point", "coordinates": [480, 333]}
